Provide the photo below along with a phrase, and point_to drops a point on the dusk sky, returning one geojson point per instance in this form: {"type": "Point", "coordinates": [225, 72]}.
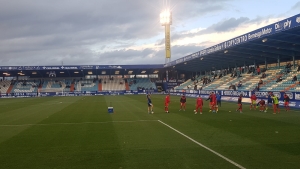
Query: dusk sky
{"type": "Point", "coordinates": [121, 32]}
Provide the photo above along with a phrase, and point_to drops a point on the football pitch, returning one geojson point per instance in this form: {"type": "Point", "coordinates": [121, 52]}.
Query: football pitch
{"type": "Point", "coordinates": [78, 132]}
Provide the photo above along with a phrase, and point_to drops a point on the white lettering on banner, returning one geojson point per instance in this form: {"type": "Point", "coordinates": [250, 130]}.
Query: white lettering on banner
{"type": "Point", "coordinates": [179, 60]}
{"type": "Point", "coordinates": [172, 81]}
{"type": "Point", "coordinates": [298, 19]}
{"type": "Point", "coordinates": [283, 25]}
{"type": "Point", "coordinates": [297, 96]}
{"type": "Point", "coordinates": [261, 94]}
{"type": "Point", "coordinates": [187, 58]}
{"type": "Point", "coordinates": [290, 95]}
{"type": "Point", "coordinates": [235, 93]}
{"type": "Point", "coordinates": [277, 94]}
{"type": "Point", "coordinates": [260, 33]}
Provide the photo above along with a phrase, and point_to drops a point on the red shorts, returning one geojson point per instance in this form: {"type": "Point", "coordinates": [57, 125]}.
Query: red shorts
{"type": "Point", "coordinates": [262, 104]}
{"type": "Point", "coordinates": [166, 104]}
{"type": "Point", "coordinates": [286, 103]}
{"type": "Point", "coordinates": [182, 104]}
{"type": "Point", "coordinates": [211, 103]}
{"type": "Point", "coordinates": [240, 105]}
{"type": "Point", "coordinates": [198, 106]}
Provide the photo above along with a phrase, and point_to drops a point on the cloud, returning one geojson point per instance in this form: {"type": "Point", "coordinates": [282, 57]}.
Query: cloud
{"type": "Point", "coordinates": [296, 6]}
{"type": "Point", "coordinates": [106, 32]}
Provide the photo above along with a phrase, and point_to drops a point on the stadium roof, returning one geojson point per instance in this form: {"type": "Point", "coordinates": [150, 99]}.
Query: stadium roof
{"type": "Point", "coordinates": [279, 40]}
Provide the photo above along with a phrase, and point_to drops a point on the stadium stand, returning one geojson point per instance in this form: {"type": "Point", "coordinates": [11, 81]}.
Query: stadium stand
{"type": "Point", "coordinates": [25, 86]}
{"type": "Point", "coordinates": [57, 85]}
{"type": "Point", "coordinates": [141, 83]}
{"type": "Point", "coordinates": [87, 85]}
{"type": "Point", "coordinates": [113, 84]}
{"type": "Point", "coordinates": [4, 85]}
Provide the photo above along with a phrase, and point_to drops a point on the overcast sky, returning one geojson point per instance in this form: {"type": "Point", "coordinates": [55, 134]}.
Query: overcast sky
{"type": "Point", "coordinates": [104, 32]}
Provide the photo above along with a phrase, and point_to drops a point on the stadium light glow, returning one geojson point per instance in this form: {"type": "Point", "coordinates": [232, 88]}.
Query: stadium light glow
{"type": "Point", "coordinates": [226, 51]}
{"type": "Point", "coordinates": [117, 72]}
{"type": "Point", "coordinates": [265, 40]}
{"type": "Point", "coordinates": [76, 72]}
{"type": "Point", "coordinates": [103, 72]}
{"type": "Point", "coordinates": [144, 71]}
{"type": "Point", "coordinates": [61, 72]}
{"type": "Point", "coordinates": [166, 17]}
{"type": "Point", "coordinates": [90, 73]}
{"type": "Point", "coordinates": [34, 73]}
{"type": "Point", "coordinates": [156, 71]}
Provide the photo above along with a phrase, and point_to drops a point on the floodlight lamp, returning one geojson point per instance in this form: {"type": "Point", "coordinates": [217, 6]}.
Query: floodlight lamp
{"type": "Point", "coordinates": [264, 40]}
{"type": "Point", "coordinates": [166, 17]}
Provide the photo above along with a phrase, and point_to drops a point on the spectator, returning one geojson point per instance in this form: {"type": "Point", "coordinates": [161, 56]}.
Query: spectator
{"type": "Point", "coordinates": [258, 70]}
{"type": "Point", "coordinates": [298, 68]}
{"type": "Point", "coordinates": [279, 79]}
{"type": "Point", "coordinates": [239, 84]}
{"type": "Point", "coordinates": [294, 79]}
{"type": "Point", "coordinates": [263, 75]}
{"type": "Point", "coordinates": [260, 82]}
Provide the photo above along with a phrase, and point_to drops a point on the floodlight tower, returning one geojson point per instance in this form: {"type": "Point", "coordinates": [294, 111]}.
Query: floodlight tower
{"type": "Point", "coordinates": [166, 20]}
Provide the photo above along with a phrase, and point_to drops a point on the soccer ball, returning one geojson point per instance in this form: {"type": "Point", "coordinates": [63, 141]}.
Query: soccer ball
{"type": "Point", "coordinates": [194, 110]}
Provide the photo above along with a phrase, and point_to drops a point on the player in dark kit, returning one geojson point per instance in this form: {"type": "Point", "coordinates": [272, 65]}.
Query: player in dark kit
{"type": "Point", "coordinates": [150, 105]}
{"type": "Point", "coordinates": [240, 108]}
{"type": "Point", "coordinates": [182, 103]}
{"type": "Point", "coordinates": [270, 100]}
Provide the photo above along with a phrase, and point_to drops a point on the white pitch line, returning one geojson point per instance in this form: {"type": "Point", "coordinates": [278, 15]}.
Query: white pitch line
{"type": "Point", "coordinates": [216, 153]}
{"type": "Point", "coordinates": [51, 124]}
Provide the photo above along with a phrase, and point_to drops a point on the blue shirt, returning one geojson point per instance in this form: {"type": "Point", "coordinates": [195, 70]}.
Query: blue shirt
{"type": "Point", "coordinates": [218, 97]}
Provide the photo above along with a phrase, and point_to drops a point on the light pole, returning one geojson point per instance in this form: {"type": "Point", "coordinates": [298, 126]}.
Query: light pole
{"type": "Point", "coordinates": [166, 20]}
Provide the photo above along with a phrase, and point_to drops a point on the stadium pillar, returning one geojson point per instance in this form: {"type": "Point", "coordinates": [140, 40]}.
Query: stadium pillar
{"type": "Point", "coordinates": [266, 65]}
{"type": "Point", "coordinates": [278, 61]}
{"type": "Point", "coordinates": [294, 63]}
{"type": "Point", "coordinates": [166, 21]}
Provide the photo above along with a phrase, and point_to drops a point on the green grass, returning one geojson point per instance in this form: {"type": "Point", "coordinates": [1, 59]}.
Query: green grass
{"type": "Point", "coordinates": [77, 132]}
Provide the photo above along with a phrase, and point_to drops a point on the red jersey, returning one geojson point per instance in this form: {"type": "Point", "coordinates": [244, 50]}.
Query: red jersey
{"type": "Point", "coordinates": [253, 97]}
{"type": "Point", "coordinates": [167, 99]}
{"type": "Point", "coordinates": [199, 101]}
{"type": "Point", "coordinates": [214, 98]}
{"type": "Point", "coordinates": [262, 102]}
{"type": "Point", "coordinates": [240, 100]}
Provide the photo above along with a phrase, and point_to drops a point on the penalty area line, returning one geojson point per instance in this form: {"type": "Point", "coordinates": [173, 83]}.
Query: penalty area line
{"type": "Point", "coordinates": [203, 146]}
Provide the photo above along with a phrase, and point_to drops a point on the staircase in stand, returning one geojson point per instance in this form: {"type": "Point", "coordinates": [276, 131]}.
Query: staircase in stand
{"type": "Point", "coordinates": [10, 88]}
{"type": "Point", "coordinates": [99, 86]}
{"type": "Point", "coordinates": [72, 87]}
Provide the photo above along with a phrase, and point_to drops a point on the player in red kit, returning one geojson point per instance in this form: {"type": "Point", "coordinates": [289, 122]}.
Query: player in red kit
{"type": "Point", "coordinates": [240, 108]}
{"type": "Point", "coordinates": [199, 105]}
{"type": "Point", "coordinates": [182, 103]}
{"type": "Point", "coordinates": [210, 98]}
{"type": "Point", "coordinates": [262, 104]}
{"type": "Point", "coordinates": [286, 102]}
{"type": "Point", "coordinates": [167, 101]}
{"type": "Point", "coordinates": [253, 101]}
{"type": "Point", "coordinates": [213, 102]}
